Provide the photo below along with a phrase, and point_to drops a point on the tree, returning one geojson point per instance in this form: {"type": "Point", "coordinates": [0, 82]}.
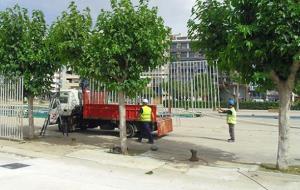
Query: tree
{"type": "Point", "coordinates": [253, 36]}
{"type": "Point", "coordinates": [125, 42]}
{"type": "Point", "coordinates": [25, 51]}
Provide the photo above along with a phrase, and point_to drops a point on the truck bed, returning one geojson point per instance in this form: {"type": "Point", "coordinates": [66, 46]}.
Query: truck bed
{"type": "Point", "coordinates": [110, 112]}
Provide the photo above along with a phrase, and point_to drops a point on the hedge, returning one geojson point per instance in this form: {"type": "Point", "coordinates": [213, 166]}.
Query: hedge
{"type": "Point", "coordinates": [243, 105]}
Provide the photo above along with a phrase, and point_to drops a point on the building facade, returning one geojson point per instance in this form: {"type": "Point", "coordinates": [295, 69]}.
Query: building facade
{"type": "Point", "coordinates": [65, 79]}
{"type": "Point", "coordinates": [181, 50]}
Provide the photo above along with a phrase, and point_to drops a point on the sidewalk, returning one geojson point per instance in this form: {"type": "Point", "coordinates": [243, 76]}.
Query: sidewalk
{"type": "Point", "coordinates": [96, 169]}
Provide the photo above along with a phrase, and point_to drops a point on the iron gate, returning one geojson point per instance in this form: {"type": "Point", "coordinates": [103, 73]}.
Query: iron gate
{"type": "Point", "coordinates": [11, 108]}
{"type": "Point", "coordinates": [181, 86]}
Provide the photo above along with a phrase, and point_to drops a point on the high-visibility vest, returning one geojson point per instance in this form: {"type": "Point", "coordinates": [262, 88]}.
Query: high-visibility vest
{"type": "Point", "coordinates": [146, 115]}
{"type": "Point", "coordinates": [231, 118]}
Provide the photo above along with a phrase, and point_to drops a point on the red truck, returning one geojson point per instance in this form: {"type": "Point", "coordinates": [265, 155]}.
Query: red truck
{"type": "Point", "coordinates": [89, 110]}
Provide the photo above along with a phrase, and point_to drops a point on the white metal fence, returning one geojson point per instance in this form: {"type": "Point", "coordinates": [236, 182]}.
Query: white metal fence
{"type": "Point", "coordinates": [194, 85]}
{"type": "Point", "coordinates": [11, 108]}
{"type": "Point", "coordinates": [176, 86]}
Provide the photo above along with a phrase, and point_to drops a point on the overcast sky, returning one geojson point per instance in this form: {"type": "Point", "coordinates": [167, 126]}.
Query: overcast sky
{"type": "Point", "coordinates": [174, 12]}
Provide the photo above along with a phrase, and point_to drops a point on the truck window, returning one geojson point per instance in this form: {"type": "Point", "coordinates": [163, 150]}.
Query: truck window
{"type": "Point", "coordinates": [64, 97]}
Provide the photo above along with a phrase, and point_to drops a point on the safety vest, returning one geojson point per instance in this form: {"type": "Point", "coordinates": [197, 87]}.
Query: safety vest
{"type": "Point", "coordinates": [231, 118]}
{"type": "Point", "coordinates": [146, 115]}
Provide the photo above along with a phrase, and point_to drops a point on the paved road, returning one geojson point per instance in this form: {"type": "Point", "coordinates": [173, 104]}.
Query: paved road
{"type": "Point", "coordinates": [82, 161]}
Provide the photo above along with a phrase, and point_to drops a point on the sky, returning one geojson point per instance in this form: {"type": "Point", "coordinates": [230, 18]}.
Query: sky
{"type": "Point", "coordinates": [174, 12]}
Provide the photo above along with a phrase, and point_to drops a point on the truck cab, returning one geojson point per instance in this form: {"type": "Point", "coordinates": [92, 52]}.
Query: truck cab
{"type": "Point", "coordinates": [70, 108]}
{"type": "Point", "coordinates": [70, 100]}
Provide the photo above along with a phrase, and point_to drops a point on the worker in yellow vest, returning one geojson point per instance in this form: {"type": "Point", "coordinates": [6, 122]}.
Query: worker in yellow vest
{"type": "Point", "coordinates": [231, 118]}
{"type": "Point", "coordinates": [146, 117]}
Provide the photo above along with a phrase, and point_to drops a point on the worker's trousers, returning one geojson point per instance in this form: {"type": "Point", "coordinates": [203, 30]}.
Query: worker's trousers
{"type": "Point", "coordinates": [146, 131]}
{"type": "Point", "coordinates": [231, 131]}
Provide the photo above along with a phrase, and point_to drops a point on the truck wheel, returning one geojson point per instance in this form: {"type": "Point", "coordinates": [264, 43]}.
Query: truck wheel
{"type": "Point", "coordinates": [130, 130]}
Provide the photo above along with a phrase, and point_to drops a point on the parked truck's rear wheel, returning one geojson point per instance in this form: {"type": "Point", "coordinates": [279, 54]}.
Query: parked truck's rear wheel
{"type": "Point", "coordinates": [130, 130]}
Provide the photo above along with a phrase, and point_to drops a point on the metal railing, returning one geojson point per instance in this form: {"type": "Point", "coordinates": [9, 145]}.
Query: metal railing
{"type": "Point", "coordinates": [11, 108]}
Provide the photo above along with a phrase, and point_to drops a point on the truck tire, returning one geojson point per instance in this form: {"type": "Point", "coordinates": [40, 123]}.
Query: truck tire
{"type": "Point", "coordinates": [130, 130]}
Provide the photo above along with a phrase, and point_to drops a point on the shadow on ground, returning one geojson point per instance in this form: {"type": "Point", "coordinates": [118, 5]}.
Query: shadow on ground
{"type": "Point", "coordinates": [168, 150]}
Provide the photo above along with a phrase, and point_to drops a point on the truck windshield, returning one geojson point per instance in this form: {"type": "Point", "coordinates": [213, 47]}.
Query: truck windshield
{"type": "Point", "coordinates": [63, 98]}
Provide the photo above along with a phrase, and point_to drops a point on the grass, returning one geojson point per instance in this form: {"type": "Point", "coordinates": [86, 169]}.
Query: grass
{"type": "Point", "coordinates": [295, 170]}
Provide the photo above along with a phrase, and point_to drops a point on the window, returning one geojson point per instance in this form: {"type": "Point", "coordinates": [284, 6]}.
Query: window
{"type": "Point", "coordinates": [69, 72]}
{"type": "Point", "coordinates": [183, 54]}
{"type": "Point", "coordinates": [173, 54]}
{"type": "Point", "coordinates": [179, 45]}
{"type": "Point", "coordinates": [184, 45]}
{"type": "Point", "coordinates": [75, 81]}
{"type": "Point", "coordinates": [191, 54]}
{"type": "Point", "coordinates": [174, 45]}
{"type": "Point", "coordinates": [63, 97]}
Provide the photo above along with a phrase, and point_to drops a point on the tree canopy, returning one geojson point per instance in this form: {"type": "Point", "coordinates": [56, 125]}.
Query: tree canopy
{"type": "Point", "coordinates": [68, 36]}
{"type": "Point", "coordinates": [126, 42]}
{"type": "Point", "coordinates": [248, 36]}
{"type": "Point", "coordinates": [24, 49]}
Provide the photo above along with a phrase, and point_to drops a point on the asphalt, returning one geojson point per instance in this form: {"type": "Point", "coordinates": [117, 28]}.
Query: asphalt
{"type": "Point", "coordinates": [83, 161]}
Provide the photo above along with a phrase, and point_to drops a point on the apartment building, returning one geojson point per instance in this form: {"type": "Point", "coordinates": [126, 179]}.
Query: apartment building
{"type": "Point", "coordinates": [65, 79]}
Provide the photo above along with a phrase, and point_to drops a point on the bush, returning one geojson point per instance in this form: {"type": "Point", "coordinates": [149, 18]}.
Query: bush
{"type": "Point", "coordinates": [259, 105]}
{"type": "Point", "coordinates": [243, 105]}
{"type": "Point", "coordinates": [296, 106]}
{"type": "Point", "coordinates": [262, 105]}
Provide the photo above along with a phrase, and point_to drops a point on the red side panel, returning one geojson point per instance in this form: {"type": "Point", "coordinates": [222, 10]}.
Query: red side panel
{"type": "Point", "coordinates": [111, 112]}
{"type": "Point", "coordinates": [164, 126]}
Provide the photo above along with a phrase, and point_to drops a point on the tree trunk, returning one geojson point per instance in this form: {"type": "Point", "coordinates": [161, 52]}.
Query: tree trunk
{"type": "Point", "coordinates": [283, 138]}
{"type": "Point", "coordinates": [285, 88]}
{"type": "Point", "coordinates": [122, 125]}
{"type": "Point", "coordinates": [30, 117]}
